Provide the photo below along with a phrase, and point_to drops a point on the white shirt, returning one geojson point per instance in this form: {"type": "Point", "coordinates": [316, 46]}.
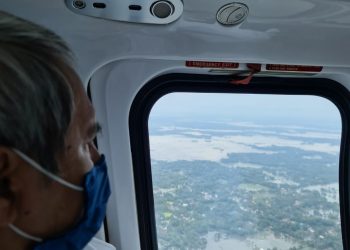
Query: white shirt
{"type": "Point", "coordinates": [97, 244]}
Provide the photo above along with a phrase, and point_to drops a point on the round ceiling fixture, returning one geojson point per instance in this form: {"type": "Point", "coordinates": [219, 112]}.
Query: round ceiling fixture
{"type": "Point", "coordinates": [162, 9]}
{"type": "Point", "coordinates": [78, 4]}
{"type": "Point", "coordinates": [232, 14]}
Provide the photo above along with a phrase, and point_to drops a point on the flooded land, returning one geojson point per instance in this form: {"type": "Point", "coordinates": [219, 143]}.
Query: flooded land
{"type": "Point", "coordinates": [246, 187]}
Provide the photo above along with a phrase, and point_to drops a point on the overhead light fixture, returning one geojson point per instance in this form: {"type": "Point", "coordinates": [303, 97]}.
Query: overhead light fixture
{"type": "Point", "coordinates": [145, 11]}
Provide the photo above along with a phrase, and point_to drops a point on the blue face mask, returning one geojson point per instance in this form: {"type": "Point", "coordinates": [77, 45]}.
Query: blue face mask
{"type": "Point", "coordinates": [97, 191]}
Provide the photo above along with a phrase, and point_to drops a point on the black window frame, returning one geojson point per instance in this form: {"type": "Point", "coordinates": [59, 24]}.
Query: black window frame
{"type": "Point", "coordinates": [151, 92]}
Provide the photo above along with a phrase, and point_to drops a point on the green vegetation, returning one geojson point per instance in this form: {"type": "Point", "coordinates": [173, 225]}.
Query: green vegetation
{"type": "Point", "coordinates": [193, 199]}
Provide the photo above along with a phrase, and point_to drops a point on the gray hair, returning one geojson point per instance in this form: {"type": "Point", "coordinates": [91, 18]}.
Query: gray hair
{"type": "Point", "coordinates": [36, 100]}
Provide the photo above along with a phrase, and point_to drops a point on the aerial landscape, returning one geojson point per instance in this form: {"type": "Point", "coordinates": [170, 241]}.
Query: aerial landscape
{"type": "Point", "coordinates": [228, 184]}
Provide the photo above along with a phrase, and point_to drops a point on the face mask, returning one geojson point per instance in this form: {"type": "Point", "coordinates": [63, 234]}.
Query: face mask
{"type": "Point", "coordinates": [97, 191]}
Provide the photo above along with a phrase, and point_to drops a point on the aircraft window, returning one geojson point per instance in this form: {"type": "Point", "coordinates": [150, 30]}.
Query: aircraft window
{"type": "Point", "coordinates": [245, 171]}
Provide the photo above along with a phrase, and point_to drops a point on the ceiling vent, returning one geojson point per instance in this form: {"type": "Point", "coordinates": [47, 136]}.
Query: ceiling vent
{"type": "Point", "coordinates": [162, 9]}
{"type": "Point", "coordinates": [138, 11]}
{"type": "Point", "coordinates": [232, 14]}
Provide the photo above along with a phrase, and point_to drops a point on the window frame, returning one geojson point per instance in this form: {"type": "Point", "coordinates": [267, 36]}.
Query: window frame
{"type": "Point", "coordinates": [152, 91]}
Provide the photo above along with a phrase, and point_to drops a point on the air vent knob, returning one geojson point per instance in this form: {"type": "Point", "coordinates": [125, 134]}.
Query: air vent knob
{"type": "Point", "coordinates": [232, 14]}
{"type": "Point", "coordinates": [162, 9]}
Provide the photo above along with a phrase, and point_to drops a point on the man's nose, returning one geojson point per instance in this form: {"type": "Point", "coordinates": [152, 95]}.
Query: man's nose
{"type": "Point", "coordinates": [95, 155]}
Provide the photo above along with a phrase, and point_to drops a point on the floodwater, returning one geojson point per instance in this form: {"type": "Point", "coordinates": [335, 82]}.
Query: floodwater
{"type": "Point", "coordinates": [329, 191]}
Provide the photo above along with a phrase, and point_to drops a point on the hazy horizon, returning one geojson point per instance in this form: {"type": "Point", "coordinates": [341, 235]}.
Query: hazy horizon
{"type": "Point", "coordinates": [260, 109]}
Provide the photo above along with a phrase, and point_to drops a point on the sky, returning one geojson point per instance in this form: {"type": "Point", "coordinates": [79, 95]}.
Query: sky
{"type": "Point", "coordinates": [256, 108]}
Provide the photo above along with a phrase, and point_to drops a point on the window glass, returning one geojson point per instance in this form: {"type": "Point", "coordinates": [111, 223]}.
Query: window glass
{"type": "Point", "coordinates": [245, 171]}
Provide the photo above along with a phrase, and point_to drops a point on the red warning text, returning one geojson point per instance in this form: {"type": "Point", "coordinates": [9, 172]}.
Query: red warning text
{"type": "Point", "coordinates": [216, 65]}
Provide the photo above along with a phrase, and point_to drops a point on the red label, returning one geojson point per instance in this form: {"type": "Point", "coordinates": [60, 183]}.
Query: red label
{"type": "Point", "coordinates": [204, 64]}
{"type": "Point", "coordinates": [295, 68]}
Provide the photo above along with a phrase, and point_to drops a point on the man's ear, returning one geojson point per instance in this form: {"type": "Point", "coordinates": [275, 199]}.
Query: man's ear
{"type": "Point", "coordinates": [9, 163]}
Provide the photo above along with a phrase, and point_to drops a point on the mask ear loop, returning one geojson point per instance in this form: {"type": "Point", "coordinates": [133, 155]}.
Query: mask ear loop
{"type": "Point", "coordinates": [24, 234]}
{"type": "Point", "coordinates": [253, 69]}
{"type": "Point", "coordinates": [47, 173]}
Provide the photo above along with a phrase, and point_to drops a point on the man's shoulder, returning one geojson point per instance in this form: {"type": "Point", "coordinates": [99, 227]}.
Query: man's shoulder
{"type": "Point", "coordinates": [97, 244]}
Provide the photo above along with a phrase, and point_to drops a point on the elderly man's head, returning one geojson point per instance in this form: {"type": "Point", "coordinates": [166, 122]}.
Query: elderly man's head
{"type": "Point", "coordinates": [46, 115]}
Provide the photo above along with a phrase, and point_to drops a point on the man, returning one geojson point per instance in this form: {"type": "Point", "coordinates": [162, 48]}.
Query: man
{"type": "Point", "coordinates": [53, 182]}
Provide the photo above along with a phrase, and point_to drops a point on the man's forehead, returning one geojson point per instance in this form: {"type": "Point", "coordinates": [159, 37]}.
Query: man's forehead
{"type": "Point", "coordinates": [84, 113]}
